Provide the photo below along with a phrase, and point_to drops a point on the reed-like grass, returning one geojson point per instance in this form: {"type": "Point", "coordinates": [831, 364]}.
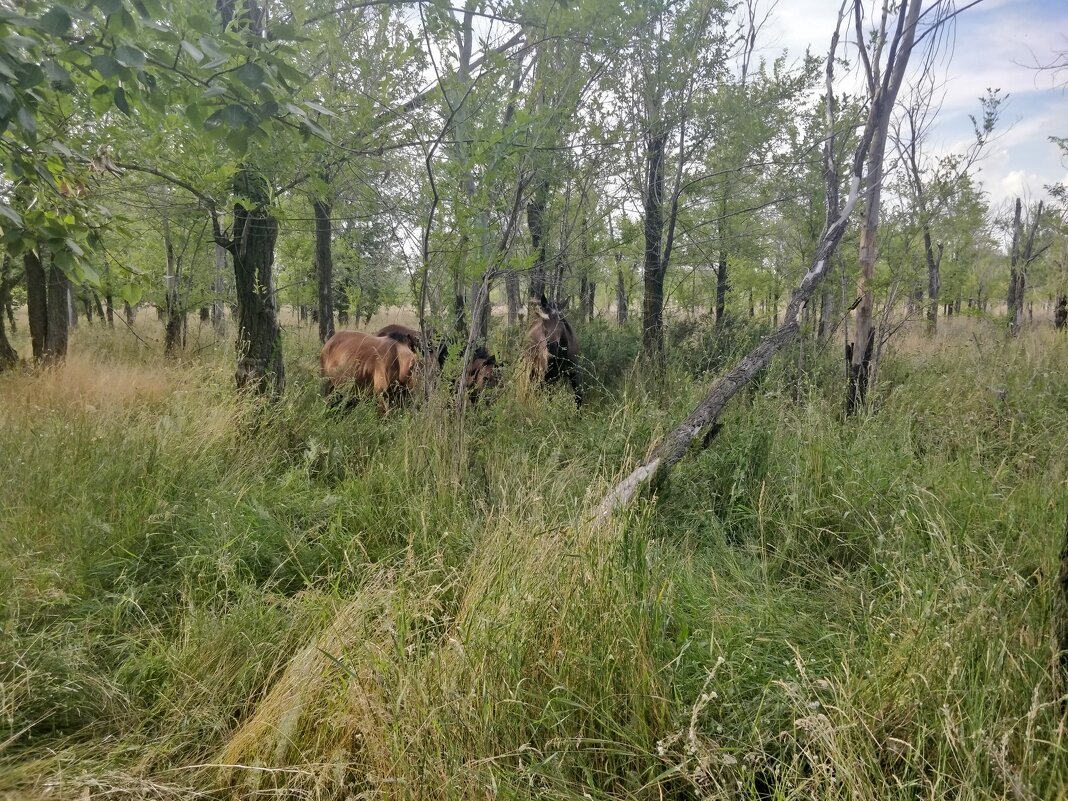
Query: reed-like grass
{"type": "Point", "coordinates": [212, 596]}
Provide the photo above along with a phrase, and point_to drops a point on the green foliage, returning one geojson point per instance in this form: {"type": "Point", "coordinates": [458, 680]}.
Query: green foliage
{"type": "Point", "coordinates": [65, 68]}
{"type": "Point", "coordinates": [361, 604]}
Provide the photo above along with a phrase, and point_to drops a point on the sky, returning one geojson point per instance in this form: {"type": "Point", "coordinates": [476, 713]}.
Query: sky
{"type": "Point", "coordinates": [995, 45]}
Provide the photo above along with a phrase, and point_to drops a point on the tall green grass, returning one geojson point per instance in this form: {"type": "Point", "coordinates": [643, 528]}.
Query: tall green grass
{"type": "Point", "coordinates": [204, 593]}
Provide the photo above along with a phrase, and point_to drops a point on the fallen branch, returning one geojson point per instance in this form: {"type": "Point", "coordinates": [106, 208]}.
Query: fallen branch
{"type": "Point", "coordinates": [676, 443]}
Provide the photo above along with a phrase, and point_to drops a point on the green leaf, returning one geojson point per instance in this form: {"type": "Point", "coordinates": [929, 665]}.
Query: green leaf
{"type": "Point", "coordinates": [108, 7]}
{"type": "Point", "coordinates": [56, 21]}
{"type": "Point", "coordinates": [92, 277]}
{"type": "Point", "coordinates": [320, 109]}
{"type": "Point", "coordinates": [74, 247]}
{"type": "Point", "coordinates": [193, 51]}
{"type": "Point", "coordinates": [237, 141]}
{"type": "Point", "coordinates": [101, 99]}
{"type": "Point", "coordinates": [120, 101]}
{"type": "Point", "coordinates": [17, 41]}
{"type": "Point", "coordinates": [308, 125]}
{"type": "Point", "coordinates": [251, 74]}
{"type": "Point", "coordinates": [194, 112]}
{"type": "Point", "coordinates": [106, 65]}
{"type": "Point", "coordinates": [211, 47]}
{"type": "Point", "coordinates": [27, 122]}
{"type": "Point", "coordinates": [130, 56]}
{"type": "Point", "coordinates": [131, 293]}
{"type": "Point", "coordinates": [56, 75]}
{"type": "Point", "coordinates": [214, 91]}
{"type": "Point", "coordinates": [66, 262]}
{"type": "Point", "coordinates": [10, 213]}
{"type": "Point", "coordinates": [232, 116]}
{"type": "Point", "coordinates": [31, 76]}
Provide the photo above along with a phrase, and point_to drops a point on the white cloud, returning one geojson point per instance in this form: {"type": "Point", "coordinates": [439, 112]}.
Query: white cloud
{"type": "Point", "coordinates": [995, 45]}
{"type": "Point", "coordinates": [1019, 183]}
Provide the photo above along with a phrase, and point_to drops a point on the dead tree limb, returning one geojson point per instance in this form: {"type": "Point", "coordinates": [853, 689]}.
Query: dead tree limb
{"type": "Point", "coordinates": [707, 412]}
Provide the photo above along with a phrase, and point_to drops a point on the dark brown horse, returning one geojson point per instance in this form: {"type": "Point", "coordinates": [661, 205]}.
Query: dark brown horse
{"type": "Point", "coordinates": [414, 340]}
{"type": "Point", "coordinates": [353, 360]}
{"type": "Point", "coordinates": [553, 347]}
{"type": "Point", "coordinates": [483, 372]}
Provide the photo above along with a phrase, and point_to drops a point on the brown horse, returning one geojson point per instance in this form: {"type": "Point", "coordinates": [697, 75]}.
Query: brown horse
{"type": "Point", "coordinates": [353, 360]}
{"type": "Point", "coordinates": [414, 340]}
{"type": "Point", "coordinates": [553, 347]}
{"type": "Point", "coordinates": [483, 372]}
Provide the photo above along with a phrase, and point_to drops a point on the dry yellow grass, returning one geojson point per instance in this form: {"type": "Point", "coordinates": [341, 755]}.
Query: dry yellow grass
{"type": "Point", "coordinates": [83, 384]}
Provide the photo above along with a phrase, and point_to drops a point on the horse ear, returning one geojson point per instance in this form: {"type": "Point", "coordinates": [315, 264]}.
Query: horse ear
{"type": "Point", "coordinates": [544, 302]}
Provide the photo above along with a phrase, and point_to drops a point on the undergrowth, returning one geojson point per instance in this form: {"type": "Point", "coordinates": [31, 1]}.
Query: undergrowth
{"type": "Point", "coordinates": [210, 594]}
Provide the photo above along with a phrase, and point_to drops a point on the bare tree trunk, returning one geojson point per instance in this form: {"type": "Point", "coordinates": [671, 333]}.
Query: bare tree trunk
{"type": "Point", "coordinates": [58, 313]}
{"type": "Point", "coordinates": [480, 316]}
{"type": "Point", "coordinates": [8, 355]}
{"type": "Point", "coordinates": [218, 307]}
{"type": "Point", "coordinates": [1020, 261]}
{"type": "Point", "coordinates": [823, 330]}
{"type": "Point", "coordinates": [37, 304]}
{"type": "Point", "coordinates": [172, 330]}
{"type": "Point", "coordinates": [722, 282]}
{"type": "Point", "coordinates": [934, 278]}
{"type": "Point", "coordinates": [653, 271]}
{"type": "Point", "coordinates": [1060, 315]}
{"type": "Point", "coordinates": [109, 301]}
{"type": "Point", "coordinates": [511, 291]}
{"type": "Point", "coordinates": [1015, 297]}
{"type": "Point", "coordinates": [324, 267]}
{"type": "Point", "coordinates": [883, 90]}
{"type": "Point", "coordinates": [536, 224]}
{"type": "Point", "coordinates": [621, 292]}
{"type": "Point", "coordinates": [72, 308]}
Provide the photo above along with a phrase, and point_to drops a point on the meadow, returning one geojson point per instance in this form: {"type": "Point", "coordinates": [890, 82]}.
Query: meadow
{"type": "Point", "coordinates": [209, 596]}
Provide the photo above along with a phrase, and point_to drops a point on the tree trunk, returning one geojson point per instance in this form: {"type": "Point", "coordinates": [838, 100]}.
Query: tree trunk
{"type": "Point", "coordinates": [480, 312]}
{"type": "Point", "coordinates": [587, 297]}
{"type": "Point", "coordinates": [1060, 316]}
{"type": "Point", "coordinates": [37, 304]}
{"type": "Point", "coordinates": [882, 97]}
{"type": "Point", "coordinates": [823, 329]}
{"type": "Point", "coordinates": [8, 355]}
{"type": "Point", "coordinates": [536, 224]}
{"type": "Point", "coordinates": [1015, 295]}
{"type": "Point", "coordinates": [511, 291]}
{"type": "Point", "coordinates": [172, 327]}
{"type": "Point", "coordinates": [722, 279]}
{"type": "Point", "coordinates": [130, 312]}
{"type": "Point", "coordinates": [653, 299]}
{"type": "Point", "coordinates": [934, 279]}
{"type": "Point", "coordinates": [621, 293]}
{"type": "Point", "coordinates": [324, 267]}
{"type": "Point", "coordinates": [218, 308]}
{"type": "Point", "coordinates": [259, 338]}
{"type": "Point", "coordinates": [59, 309]}
{"type": "Point", "coordinates": [72, 308]}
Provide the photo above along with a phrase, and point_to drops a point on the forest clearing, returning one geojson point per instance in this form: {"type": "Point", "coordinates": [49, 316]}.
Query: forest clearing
{"type": "Point", "coordinates": [528, 400]}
